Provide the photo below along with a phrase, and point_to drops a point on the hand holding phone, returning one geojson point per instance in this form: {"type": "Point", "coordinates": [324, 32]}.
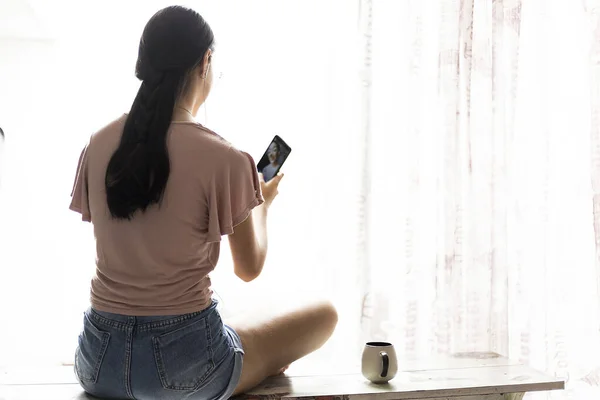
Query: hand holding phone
{"type": "Point", "coordinates": [271, 162]}
{"type": "Point", "coordinates": [270, 189]}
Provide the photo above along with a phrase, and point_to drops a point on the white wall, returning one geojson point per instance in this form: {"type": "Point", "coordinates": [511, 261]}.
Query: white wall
{"type": "Point", "coordinates": [291, 74]}
{"type": "Point", "coordinates": [35, 228]}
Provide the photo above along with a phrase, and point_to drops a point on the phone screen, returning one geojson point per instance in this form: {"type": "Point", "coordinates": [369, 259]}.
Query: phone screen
{"type": "Point", "coordinates": [276, 154]}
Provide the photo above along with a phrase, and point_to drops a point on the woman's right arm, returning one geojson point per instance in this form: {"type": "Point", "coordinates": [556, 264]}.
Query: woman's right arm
{"type": "Point", "coordinates": [249, 240]}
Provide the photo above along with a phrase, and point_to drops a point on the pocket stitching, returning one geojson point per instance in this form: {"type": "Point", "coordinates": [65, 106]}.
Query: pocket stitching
{"type": "Point", "coordinates": [160, 366]}
{"type": "Point", "coordinates": [211, 356]}
{"type": "Point", "coordinates": [99, 359]}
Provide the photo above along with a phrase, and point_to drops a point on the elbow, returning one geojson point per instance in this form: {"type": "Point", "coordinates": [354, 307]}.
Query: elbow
{"type": "Point", "coordinates": [249, 264]}
{"type": "Point", "coordinates": [247, 277]}
{"type": "Point", "coordinates": [248, 273]}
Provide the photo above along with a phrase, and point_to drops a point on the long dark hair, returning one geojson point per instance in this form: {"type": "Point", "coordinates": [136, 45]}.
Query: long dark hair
{"type": "Point", "coordinates": [173, 43]}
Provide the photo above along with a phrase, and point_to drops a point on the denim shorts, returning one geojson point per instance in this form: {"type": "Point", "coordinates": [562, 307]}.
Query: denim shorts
{"type": "Point", "coordinates": [191, 356]}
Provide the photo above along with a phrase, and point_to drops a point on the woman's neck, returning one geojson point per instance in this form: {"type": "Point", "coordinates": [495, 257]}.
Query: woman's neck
{"type": "Point", "coordinates": [183, 114]}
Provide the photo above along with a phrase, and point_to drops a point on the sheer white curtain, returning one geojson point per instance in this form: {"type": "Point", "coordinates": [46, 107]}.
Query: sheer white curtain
{"type": "Point", "coordinates": [479, 212]}
{"type": "Point", "coordinates": [439, 189]}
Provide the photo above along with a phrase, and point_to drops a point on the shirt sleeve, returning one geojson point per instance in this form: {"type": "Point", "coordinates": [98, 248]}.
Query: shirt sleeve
{"type": "Point", "coordinates": [79, 194]}
{"type": "Point", "coordinates": [235, 191]}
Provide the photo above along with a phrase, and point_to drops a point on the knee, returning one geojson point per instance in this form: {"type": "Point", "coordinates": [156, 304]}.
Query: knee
{"type": "Point", "coordinates": [328, 314]}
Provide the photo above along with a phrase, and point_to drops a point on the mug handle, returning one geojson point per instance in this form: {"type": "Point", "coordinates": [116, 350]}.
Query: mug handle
{"type": "Point", "coordinates": [386, 363]}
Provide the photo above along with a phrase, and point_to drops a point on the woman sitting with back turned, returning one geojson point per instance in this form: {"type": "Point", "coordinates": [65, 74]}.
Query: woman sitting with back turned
{"type": "Point", "coordinates": [161, 190]}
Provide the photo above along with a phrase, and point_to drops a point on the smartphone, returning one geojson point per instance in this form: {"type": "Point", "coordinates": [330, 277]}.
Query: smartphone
{"type": "Point", "coordinates": [274, 157]}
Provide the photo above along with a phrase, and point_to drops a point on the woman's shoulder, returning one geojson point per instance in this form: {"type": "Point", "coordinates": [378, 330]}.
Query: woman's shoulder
{"type": "Point", "coordinates": [113, 129]}
{"type": "Point", "coordinates": [208, 141]}
{"type": "Point", "coordinates": [203, 135]}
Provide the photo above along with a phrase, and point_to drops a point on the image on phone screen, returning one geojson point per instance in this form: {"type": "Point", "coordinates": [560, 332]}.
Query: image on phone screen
{"type": "Point", "coordinates": [276, 154]}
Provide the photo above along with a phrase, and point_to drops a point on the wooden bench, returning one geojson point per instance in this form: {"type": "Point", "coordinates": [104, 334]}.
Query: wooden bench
{"type": "Point", "coordinates": [474, 376]}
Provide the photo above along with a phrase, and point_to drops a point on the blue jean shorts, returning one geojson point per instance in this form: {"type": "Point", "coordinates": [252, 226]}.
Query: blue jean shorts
{"type": "Point", "coordinates": [191, 356]}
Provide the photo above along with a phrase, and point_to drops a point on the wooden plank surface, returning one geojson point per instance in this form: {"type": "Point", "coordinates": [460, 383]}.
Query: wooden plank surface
{"type": "Point", "coordinates": [72, 392]}
{"type": "Point", "coordinates": [43, 392]}
{"type": "Point", "coordinates": [411, 385]}
{"type": "Point", "coordinates": [56, 375]}
{"type": "Point", "coordinates": [484, 375]}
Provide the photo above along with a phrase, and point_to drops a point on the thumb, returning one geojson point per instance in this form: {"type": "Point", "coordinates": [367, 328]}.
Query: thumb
{"type": "Point", "coordinates": [278, 177]}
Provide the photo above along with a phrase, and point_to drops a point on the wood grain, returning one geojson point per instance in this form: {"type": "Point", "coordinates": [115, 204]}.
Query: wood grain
{"type": "Point", "coordinates": [476, 376]}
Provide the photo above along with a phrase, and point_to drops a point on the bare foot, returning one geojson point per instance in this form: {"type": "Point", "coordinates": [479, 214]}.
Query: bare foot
{"type": "Point", "coordinates": [282, 370]}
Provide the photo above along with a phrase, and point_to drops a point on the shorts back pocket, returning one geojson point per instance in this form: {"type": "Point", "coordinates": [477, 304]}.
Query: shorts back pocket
{"type": "Point", "coordinates": [184, 356]}
{"type": "Point", "coordinates": [92, 346]}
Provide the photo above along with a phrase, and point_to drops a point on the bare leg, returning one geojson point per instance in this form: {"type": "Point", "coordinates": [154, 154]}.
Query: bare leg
{"type": "Point", "coordinates": [272, 344]}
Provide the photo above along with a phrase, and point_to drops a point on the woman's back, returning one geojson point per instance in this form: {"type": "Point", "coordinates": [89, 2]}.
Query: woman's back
{"type": "Point", "coordinates": [160, 191]}
{"type": "Point", "coordinates": [157, 263]}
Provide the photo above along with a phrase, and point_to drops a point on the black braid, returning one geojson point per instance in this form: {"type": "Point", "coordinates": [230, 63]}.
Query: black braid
{"type": "Point", "coordinates": [174, 41]}
{"type": "Point", "coordinates": [140, 166]}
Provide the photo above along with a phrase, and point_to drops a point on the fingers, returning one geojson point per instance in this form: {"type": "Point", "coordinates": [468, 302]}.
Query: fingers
{"type": "Point", "coordinates": [278, 178]}
{"type": "Point", "coordinates": [261, 177]}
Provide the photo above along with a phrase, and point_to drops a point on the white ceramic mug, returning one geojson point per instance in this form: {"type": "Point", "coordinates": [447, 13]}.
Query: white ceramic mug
{"type": "Point", "coordinates": [379, 362]}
